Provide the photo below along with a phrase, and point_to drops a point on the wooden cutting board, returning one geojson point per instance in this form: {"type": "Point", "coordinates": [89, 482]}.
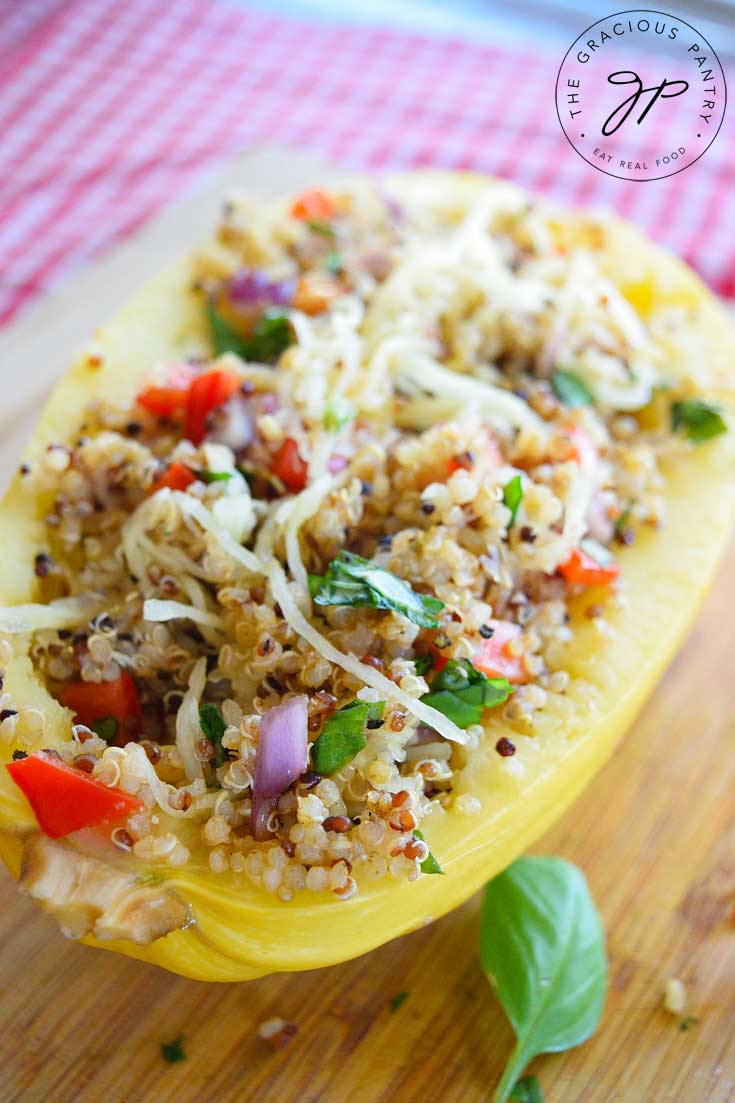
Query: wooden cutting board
{"type": "Point", "coordinates": [654, 833]}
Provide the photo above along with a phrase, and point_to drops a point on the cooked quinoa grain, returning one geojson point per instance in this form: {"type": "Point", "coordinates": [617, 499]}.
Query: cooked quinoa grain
{"type": "Point", "coordinates": [298, 570]}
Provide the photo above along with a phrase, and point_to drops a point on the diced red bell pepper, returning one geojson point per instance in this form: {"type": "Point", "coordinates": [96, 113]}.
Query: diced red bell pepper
{"type": "Point", "coordinates": [64, 799]}
{"type": "Point", "coordinates": [169, 397]}
{"type": "Point", "coordinates": [176, 477]}
{"type": "Point", "coordinates": [439, 660]}
{"type": "Point", "coordinates": [206, 393]}
{"type": "Point", "coordinates": [313, 204]}
{"type": "Point", "coordinates": [95, 701]}
{"type": "Point", "coordinates": [290, 468]}
{"type": "Point", "coordinates": [580, 569]}
{"type": "Point", "coordinates": [495, 660]}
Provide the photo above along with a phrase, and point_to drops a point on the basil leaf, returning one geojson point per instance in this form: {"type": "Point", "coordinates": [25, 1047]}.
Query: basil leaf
{"type": "Point", "coordinates": [527, 1090]}
{"type": "Point", "coordinates": [512, 497]}
{"type": "Point", "coordinates": [106, 728]}
{"type": "Point", "coordinates": [543, 949]}
{"type": "Point", "coordinates": [622, 522]}
{"type": "Point", "coordinates": [271, 336]}
{"type": "Point", "coordinates": [213, 725]}
{"type": "Point", "coordinates": [333, 263]}
{"type": "Point", "coordinates": [423, 663]}
{"type": "Point", "coordinates": [213, 476]}
{"type": "Point", "coordinates": [462, 693]}
{"type": "Point", "coordinates": [173, 1051]}
{"type": "Point", "coordinates": [343, 736]}
{"type": "Point", "coordinates": [319, 226]}
{"type": "Point", "coordinates": [397, 1001]}
{"type": "Point", "coordinates": [352, 580]}
{"type": "Point", "coordinates": [338, 412]}
{"type": "Point", "coordinates": [700, 420]}
{"type": "Point", "coordinates": [429, 864]}
{"type": "Point", "coordinates": [570, 389]}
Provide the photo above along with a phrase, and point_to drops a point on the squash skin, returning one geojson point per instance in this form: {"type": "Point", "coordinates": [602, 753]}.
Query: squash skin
{"type": "Point", "coordinates": [241, 931]}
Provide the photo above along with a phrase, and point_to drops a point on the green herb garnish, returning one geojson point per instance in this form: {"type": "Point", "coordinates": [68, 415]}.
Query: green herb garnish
{"type": "Point", "coordinates": [527, 1090]}
{"type": "Point", "coordinates": [397, 1001]}
{"type": "Point", "coordinates": [462, 693]}
{"type": "Point", "coordinates": [333, 263]}
{"type": "Point", "coordinates": [512, 497]}
{"type": "Point", "coordinates": [543, 949]}
{"type": "Point", "coordinates": [343, 736]}
{"type": "Point", "coordinates": [213, 476]}
{"type": "Point", "coordinates": [338, 412]}
{"type": "Point", "coordinates": [319, 226]}
{"type": "Point", "coordinates": [173, 1051]}
{"type": "Point", "coordinates": [570, 389]}
{"type": "Point", "coordinates": [429, 864]}
{"type": "Point", "coordinates": [688, 1023]}
{"type": "Point", "coordinates": [352, 580]}
{"type": "Point", "coordinates": [271, 336]}
{"type": "Point", "coordinates": [700, 420]}
{"type": "Point", "coordinates": [213, 725]}
{"type": "Point", "coordinates": [622, 521]}
{"type": "Point", "coordinates": [106, 728]}
{"type": "Point", "coordinates": [422, 664]}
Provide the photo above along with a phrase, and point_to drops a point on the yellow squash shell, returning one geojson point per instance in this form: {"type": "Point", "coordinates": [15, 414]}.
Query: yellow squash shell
{"type": "Point", "coordinates": [241, 931]}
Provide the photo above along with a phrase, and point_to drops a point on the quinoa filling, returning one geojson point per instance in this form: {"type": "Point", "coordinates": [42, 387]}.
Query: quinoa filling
{"type": "Point", "coordinates": [283, 588]}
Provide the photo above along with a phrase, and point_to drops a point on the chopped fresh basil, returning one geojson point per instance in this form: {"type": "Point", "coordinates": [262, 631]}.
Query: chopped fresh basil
{"type": "Point", "coordinates": [512, 497]}
{"type": "Point", "coordinates": [527, 1090]}
{"type": "Point", "coordinates": [422, 664]}
{"type": "Point", "coordinates": [333, 263]}
{"type": "Point", "coordinates": [213, 476]}
{"type": "Point", "coordinates": [271, 336]}
{"type": "Point", "coordinates": [343, 736]}
{"type": "Point", "coordinates": [338, 412]}
{"type": "Point", "coordinates": [397, 1001]}
{"type": "Point", "coordinates": [543, 949]}
{"type": "Point", "coordinates": [700, 420]}
{"type": "Point", "coordinates": [570, 389]}
{"type": "Point", "coordinates": [352, 580]}
{"type": "Point", "coordinates": [429, 864]}
{"type": "Point", "coordinates": [213, 725]}
{"type": "Point", "coordinates": [688, 1023]}
{"type": "Point", "coordinates": [319, 226]}
{"type": "Point", "coordinates": [106, 728]}
{"type": "Point", "coordinates": [622, 522]}
{"type": "Point", "coordinates": [462, 693]}
{"type": "Point", "coordinates": [173, 1051]}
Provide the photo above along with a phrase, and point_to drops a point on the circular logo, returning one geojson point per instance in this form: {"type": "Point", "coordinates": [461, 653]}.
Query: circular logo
{"type": "Point", "coordinates": [641, 95]}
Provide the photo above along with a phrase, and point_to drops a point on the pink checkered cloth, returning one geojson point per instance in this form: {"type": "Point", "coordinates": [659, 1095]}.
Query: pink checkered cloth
{"type": "Point", "coordinates": [109, 109]}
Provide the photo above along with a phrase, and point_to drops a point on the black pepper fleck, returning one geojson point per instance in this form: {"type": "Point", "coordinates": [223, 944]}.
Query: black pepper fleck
{"type": "Point", "coordinates": [487, 632]}
{"type": "Point", "coordinates": [428, 508]}
{"type": "Point", "coordinates": [6, 713]}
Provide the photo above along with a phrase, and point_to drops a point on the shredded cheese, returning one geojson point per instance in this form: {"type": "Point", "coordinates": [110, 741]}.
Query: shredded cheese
{"type": "Point", "coordinates": [188, 729]}
{"type": "Point", "coordinates": [156, 610]}
{"type": "Point", "coordinates": [66, 612]}
{"type": "Point", "coordinates": [424, 713]}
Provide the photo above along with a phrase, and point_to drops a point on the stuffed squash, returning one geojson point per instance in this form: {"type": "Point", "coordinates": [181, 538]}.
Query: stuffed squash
{"type": "Point", "coordinates": [341, 560]}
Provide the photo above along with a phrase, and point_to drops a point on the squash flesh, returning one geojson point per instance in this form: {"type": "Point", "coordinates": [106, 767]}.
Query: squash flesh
{"type": "Point", "coordinates": [241, 931]}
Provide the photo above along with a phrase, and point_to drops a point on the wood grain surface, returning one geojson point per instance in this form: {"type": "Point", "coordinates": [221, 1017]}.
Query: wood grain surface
{"type": "Point", "coordinates": [654, 833]}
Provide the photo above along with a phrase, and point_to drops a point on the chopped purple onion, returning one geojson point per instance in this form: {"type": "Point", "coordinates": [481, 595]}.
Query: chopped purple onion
{"type": "Point", "coordinates": [249, 287]}
{"type": "Point", "coordinates": [282, 757]}
{"type": "Point", "coordinates": [233, 424]}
